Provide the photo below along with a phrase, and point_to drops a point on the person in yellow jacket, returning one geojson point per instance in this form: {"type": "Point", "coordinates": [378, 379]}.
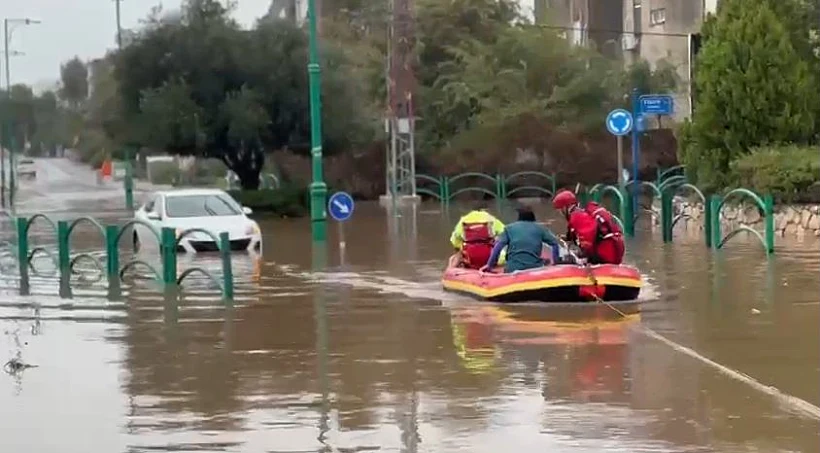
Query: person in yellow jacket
{"type": "Point", "coordinates": [474, 236]}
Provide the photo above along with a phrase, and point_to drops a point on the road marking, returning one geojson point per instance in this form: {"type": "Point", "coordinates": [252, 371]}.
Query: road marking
{"type": "Point", "coordinates": [392, 285]}
{"type": "Point", "coordinates": [795, 404]}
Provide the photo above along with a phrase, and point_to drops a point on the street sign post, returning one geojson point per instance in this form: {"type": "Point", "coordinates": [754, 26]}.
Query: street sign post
{"type": "Point", "coordinates": [340, 206]}
{"type": "Point", "coordinates": [656, 104]}
{"type": "Point", "coordinates": [640, 122]}
{"type": "Point", "coordinates": [619, 123]}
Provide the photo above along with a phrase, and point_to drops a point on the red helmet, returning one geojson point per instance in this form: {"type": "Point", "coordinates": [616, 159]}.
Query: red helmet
{"type": "Point", "coordinates": [564, 199]}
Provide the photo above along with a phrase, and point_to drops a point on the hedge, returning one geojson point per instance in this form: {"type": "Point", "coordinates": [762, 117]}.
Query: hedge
{"type": "Point", "coordinates": [287, 201]}
{"type": "Point", "coordinates": [790, 173]}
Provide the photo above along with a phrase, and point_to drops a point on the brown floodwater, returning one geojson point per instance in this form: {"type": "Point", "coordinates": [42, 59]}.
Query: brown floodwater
{"type": "Point", "coordinates": [358, 349]}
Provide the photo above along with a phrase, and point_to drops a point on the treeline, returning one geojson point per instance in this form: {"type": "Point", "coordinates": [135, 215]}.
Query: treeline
{"type": "Point", "coordinates": [42, 123]}
{"type": "Point", "coordinates": [757, 116]}
{"type": "Point", "coordinates": [194, 82]}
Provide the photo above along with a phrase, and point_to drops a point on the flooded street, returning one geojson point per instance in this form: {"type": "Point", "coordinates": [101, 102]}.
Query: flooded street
{"type": "Point", "coordinates": [356, 349]}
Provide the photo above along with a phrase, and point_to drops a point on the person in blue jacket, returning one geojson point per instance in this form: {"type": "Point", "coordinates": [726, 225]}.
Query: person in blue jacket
{"type": "Point", "coordinates": [524, 240]}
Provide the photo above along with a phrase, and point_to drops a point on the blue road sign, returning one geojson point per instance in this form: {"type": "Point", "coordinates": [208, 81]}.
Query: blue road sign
{"type": "Point", "coordinates": [656, 104]}
{"type": "Point", "coordinates": [340, 205]}
{"type": "Point", "coordinates": [619, 122]}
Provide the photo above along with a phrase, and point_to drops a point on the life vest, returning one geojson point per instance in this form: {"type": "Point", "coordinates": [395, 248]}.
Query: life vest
{"type": "Point", "coordinates": [477, 233]}
{"type": "Point", "coordinates": [607, 228]}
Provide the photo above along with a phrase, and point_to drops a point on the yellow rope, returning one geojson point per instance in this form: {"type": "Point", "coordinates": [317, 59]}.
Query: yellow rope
{"type": "Point", "coordinates": [595, 296]}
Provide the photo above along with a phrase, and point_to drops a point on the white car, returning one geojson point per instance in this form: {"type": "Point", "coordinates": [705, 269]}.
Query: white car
{"type": "Point", "coordinates": [210, 209]}
{"type": "Point", "coordinates": [26, 168]}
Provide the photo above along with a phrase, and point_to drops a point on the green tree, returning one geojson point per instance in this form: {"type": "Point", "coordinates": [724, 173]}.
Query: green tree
{"type": "Point", "coordinates": [754, 89]}
{"type": "Point", "coordinates": [198, 84]}
{"type": "Point", "coordinates": [493, 92]}
{"type": "Point", "coordinates": [46, 134]}
{"type": "Point", "coordinates": [74, 82]}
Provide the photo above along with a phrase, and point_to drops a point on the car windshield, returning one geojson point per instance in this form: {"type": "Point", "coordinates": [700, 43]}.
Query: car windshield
{"type": "Point", "coordinates": [200, 206]}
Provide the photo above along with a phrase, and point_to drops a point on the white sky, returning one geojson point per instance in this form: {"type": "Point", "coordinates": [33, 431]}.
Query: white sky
{"type": "Point", "coordinates": [86, 28]}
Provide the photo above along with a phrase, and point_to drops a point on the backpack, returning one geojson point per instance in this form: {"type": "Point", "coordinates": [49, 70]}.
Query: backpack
{"type": "Point", "coordinates": [477, 233]}
{"type": "Point", "coordinates": [606, 226]}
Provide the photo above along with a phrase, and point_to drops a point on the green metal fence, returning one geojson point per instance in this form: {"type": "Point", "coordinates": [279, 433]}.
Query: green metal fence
{"type": "Point", "coordinates": [111, 235]}
{"type": "Point", "coordinates": [447, 188]}
{"type": "Point", "coordinates": [668, 183]}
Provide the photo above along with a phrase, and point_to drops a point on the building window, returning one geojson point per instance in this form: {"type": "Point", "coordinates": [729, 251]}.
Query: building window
{"type": "Point", "coordinates": [657, 16]}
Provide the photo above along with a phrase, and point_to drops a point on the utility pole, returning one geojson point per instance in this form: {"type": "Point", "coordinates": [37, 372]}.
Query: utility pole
{"type": "Point", "coordinates": [401, 124]}
{"type": "Point", "coordinates": [10, 121]}
{"type": "Point", "coordinates": [119, 27]}
{"type": "Point", "coordinates": [6, 131]}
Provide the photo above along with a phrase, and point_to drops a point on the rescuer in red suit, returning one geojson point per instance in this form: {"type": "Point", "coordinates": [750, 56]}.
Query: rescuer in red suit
{"type": "Point", "coordinates": [593, 228]}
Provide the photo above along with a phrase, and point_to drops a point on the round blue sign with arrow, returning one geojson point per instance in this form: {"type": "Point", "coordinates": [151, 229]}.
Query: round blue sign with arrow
{"type": "Point", "coordinates": [340, 206]}
{"type": "Point", "coordinates": [619, 122]}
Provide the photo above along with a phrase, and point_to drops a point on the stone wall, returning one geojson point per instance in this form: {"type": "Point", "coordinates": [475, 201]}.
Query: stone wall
{"type": "Point", "coordinates": [790, 221]}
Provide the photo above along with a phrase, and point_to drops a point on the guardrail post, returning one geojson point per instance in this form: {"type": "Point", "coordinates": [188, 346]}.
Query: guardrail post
{"type": "Point", "coordinates": [129, 186]}
{"type": "Point", "coordinates": [112, 260]}
{"type": "Point", "coordinates": [667, 215]}
{"type": "Point", "coordinates": [713, 235]}
{"type": "Point", "coordinates": [768, 212]}
{"type": "Point", "coordinates": [500, 187]}
{"type": "Point", "coordinates": [445, 190]}
{"type": "Point", "coordinates": [64, 258]}
{"type": "Point", "coordinates": [227, 270]}
{"type": "Point", "coordinates": [169, 258]}
{"type": "Point", "coordinates": [22, 255]}
{"type": "Point", "coordinates": [626, 212]}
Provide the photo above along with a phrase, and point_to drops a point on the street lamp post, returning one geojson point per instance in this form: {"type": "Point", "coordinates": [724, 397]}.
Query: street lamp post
{"type": "Point", "coordinates": [9, 120]}
{"type": "Point", "coordinates": [318, 188]}
{"type": "Point", "coordinates": [3, 134]}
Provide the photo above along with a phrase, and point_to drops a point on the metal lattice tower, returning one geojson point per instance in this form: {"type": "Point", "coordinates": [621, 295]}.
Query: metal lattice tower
{"type": "Point", "coordinates": [401, 83]}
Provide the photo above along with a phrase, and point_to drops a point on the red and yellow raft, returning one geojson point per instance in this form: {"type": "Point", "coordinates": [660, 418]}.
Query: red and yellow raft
{"type": "Point", "coordinates": [554, 283]}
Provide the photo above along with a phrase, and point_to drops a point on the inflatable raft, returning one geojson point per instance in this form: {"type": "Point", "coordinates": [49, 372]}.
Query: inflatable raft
{"type": "Point", "coordinates": [554, 283]}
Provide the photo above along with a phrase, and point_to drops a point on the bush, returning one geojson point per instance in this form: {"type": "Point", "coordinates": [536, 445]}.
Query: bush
{"type": "Point", "coordinates": [288, 201]}
{"type": "Point", "coordinates": [789, 173]}
{"type": "Point", "coordinates": [743, 103]}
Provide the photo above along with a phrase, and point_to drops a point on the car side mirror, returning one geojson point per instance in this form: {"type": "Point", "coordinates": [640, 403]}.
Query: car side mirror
{"type": "Point", "coordinates": [247, 210]}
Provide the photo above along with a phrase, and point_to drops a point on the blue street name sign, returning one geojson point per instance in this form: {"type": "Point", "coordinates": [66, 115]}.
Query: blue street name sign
{"type": "Point", "coordinates": [656, 104]}
{"type": "Point", "coordinates": [619, 122]}
{"type": "Point", "coordinates": [340, 206]}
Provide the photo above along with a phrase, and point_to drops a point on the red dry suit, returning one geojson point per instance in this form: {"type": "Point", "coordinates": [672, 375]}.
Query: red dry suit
{"type": "Point", "coordinates": [478, 244]}
{"type": "Point", "coordinates": [597, 233]}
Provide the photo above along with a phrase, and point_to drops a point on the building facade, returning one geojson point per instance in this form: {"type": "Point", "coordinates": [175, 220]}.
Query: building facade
{"type": "Point", "coordinates": [631, 30]}
{"type": "Point", "coordinates": [295, 10]}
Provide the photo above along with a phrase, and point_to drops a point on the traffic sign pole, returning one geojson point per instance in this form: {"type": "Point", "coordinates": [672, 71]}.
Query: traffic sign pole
{"type": "Point", "coordinates": [340, 206]}
{"type": "Point", "coordinates": [342, 244]}
{"type": "Point", "coordinates": [636, 149]}
{"type": "Point", "coordinates": [621, 181]}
